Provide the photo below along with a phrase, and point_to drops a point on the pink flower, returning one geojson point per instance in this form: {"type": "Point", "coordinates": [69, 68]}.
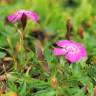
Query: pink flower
{"type": "Point", "coordinates": [18, 15]}
{"type": "Point", "coordinates": [22, 15]}
{"type": "Point", "coordinates": [71, 50]}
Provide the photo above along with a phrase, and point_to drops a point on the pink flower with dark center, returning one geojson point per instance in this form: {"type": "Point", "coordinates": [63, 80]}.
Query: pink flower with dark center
{"type": "Point", "coordinates": [22, 15]}
{"type": "Point", "coordinates": [71, 50]}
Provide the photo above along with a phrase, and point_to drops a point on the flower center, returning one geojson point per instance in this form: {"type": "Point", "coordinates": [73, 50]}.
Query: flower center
{"type": "Point", "coordinates": [71, 49]}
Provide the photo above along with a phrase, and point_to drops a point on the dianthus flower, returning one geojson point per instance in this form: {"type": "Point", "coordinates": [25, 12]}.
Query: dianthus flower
{"type": "Point", "coordinates": [22, 15]}
{"type": "Point", "coordinates": [71, 50]}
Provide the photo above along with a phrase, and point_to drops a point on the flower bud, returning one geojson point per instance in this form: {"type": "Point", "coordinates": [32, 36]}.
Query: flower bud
{"type": "Point", "coordinates": [69, 26]}
{"type": "Point", "coordinates": [80, 31]}
{"type": "Point", "coordinates": [94, 18]}
{"type": "Point", "coordinates": [88, 23]}
{"type": "Point", "coordinates": [13, 94]}
{"type": "Point", "coordinates": [95, 91]}
{"type": "Point", "coordinates": [18, 47]}
{"type": "Point", "coordinates": [54, 82]}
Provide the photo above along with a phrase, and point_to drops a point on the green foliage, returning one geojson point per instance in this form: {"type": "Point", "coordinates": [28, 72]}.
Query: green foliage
{"type": "Point", "coordinates": [24, 72]}
{"type": "Point", "coordinates": [2, 55]}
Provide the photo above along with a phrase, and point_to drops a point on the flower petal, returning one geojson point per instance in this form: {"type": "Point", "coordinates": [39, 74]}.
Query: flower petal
{"type": "Point", "coordinates": [33, 16]}
{"type": "Point", "coordinates": [83, 50]}
{"type": "Point", "coordinates": [73, 58]}
{"type": "Point", "coordinates": [63, 42]}
{"type": "Point", "coordinates": [58, 51]}
{"type": "Point", "coordinates": [11, 17]}
{"type": "Point", "coordinates": [14, 17]}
